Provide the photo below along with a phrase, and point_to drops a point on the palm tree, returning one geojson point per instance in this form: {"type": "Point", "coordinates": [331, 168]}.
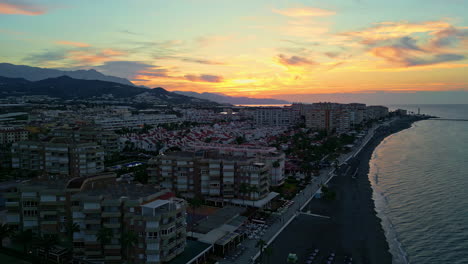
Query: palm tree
{"type": "Point", "coordinates": [268, 253]}
{"type": "Point", "coordinates": [5, 231]}
{"type": "Point", "coordinates": [243, 189]}
{"type": "Point", "coordinates": [104, 236]}
{"type": "Point", "coordinates": [72, 228]}
{"type": "Point", "coordinates": [46, 244]}
{"type": "Point", "coordinates": [24, 238]}
{"type": "Point", "coordinates": [194, 204]}
{"type": "Point", "coordinates": [253, 189]}
{"type": "Point", "coordinates": [261, 244]}
{"type": "Point", "coordinates": [128, 240]}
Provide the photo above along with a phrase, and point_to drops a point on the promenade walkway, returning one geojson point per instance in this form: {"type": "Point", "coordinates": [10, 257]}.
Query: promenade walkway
{"type": "Point", "coordinates": [251, 252]}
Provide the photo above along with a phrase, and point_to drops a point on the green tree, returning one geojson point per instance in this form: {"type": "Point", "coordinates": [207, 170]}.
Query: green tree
{"type": "Point", "coordinates": [276, 164]}
{"type": "Point", "coordinates": [104, 236]}
{"type": "Point", "coordinates": [243, 189]}
{"type": "Point", "coordinates": [128, 240]}
{"type": "Point", "coordinates": [24, 238]}
{"type": "Point", "coordinates": [194, 204]}
{"type": "Point", "coordinates": [5, 231]}
{"type": "Point", "coordinates": [72, 228]}
{"type": "Point", "coordinates": [240, 140]}
{"type": "Point", "coordinates": [253, 189]}
{"type": "Point", "coordinates": [261, 244]}
{"type": "Point", "coordinates": [268, 253]}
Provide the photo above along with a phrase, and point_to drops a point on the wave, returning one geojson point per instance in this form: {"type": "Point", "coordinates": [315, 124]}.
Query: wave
{"type": "Point", "coordinates": [395, 246]}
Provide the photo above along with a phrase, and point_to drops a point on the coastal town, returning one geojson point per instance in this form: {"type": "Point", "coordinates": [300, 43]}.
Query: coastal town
{"type": "Point", "coordinates": [108, 181]}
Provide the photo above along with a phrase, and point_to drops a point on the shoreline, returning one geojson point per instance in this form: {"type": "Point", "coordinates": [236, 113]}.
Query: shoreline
{"type": "Point", "coordinates": [354, 228]}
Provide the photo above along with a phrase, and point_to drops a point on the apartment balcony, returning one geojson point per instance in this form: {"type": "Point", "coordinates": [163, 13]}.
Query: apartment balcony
{"type": "Point", "coordinates": [152, 239]}
{"type": "Point", "coordinates": [13, 218]}
{"type": "Point", "coordinates": [47, 212]}
{"type": "Point", "coordinates": [152, 251]}
{"type": "Point", "coordinates": [168, 235]}
{"type": "Point", "coordinates": [52, 203]}
{"type": "Point", "coordinates": [11, 204]}
{"type": "Point", "coordinates": [92, 253]}
{"type": "Point", "coordinates": [170, 245]}
{"type": "Point", "coordinates": [11, 195]}
{"type": "Point", "coordinates": [152, 229]}
{"type": "Point", "coordinates": [49, 222]}
{"type": "Point", "coordinates": [92, 221]}
{"type": "Point", "coordinates": [169, 257]}
{"type": "Point", "coordinates": [113, 258]}
{"type": "Point", "coordinates": [110, 214]}
{"type": "Point", "coordinates": [90, 231]}
{"type": "Point", "coordinates": [91, 211]}
{"type": "Point", "coordinates": [112, 225]}
{"type": "Point", "coordinates": [112, 247]}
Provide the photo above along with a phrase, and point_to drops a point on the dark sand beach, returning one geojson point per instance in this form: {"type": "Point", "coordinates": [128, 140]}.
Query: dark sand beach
{"type": "Point", "coordinates": [353, 228]}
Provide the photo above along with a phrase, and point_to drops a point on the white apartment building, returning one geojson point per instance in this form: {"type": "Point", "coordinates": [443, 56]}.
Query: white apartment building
{"type": "Point", "coordinates": [275, 116]}
{"type": "Point", "coordinates": [135, 121]}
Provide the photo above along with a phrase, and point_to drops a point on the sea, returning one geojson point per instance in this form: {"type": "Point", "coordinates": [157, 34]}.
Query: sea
{"type": "Point", "coordinates": [420, 182]}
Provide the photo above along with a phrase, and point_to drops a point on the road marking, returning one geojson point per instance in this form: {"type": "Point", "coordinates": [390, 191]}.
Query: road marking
{"type": "Point", "coordinates": [317, 215]}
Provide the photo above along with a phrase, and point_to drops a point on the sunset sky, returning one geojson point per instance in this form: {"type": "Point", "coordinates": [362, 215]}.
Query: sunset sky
{"type": "Point", "coordinates": [257, 48]}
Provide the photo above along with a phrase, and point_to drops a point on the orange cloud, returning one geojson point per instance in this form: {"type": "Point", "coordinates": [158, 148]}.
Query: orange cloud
{"type": "Point", "coordinates": [111, 52]}
{"type": "Point", "coordinates": [389, 30]}
{"type": "Point", "coordinates": [20, 9]}
{"type": "Point", "coordinates": [86, 57]}
{"type": "Point", "coordinates": [304, 12]}
{"type": "Point", "coordinates": [74, 44]}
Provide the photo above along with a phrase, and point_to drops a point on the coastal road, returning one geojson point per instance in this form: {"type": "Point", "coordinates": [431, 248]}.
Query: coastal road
{"type": "Point", "coordinates": [300, 201]}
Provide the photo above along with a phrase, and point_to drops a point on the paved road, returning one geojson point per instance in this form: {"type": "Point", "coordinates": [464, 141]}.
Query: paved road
{"type": "Point", "coordinates": [300, 201]}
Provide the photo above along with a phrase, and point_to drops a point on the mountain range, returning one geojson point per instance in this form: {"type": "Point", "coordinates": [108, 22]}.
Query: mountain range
{"type": "Point", "coordinates": [225, 99]}
{"type": "Point", "coordinates": [36, 74]}
{"type": "Point", "coordinates": [65, 87]}
{"type": "Point", "coordinates": [34, 80]}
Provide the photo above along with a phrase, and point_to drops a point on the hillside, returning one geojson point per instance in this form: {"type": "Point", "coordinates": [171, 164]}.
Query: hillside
{"type": "Point", "coordinates": [65, 87]}
{"type": "Point", "coordinates": [36, 74]}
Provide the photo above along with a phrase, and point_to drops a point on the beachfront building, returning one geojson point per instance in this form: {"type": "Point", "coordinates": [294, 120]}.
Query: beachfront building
{"type": "Point", "coordinates": [357, 113]}
{"type": "Point", "coordinates": [275, 116]}
{"type": "Point", "coordinates": [375, 112]}
{"type": "Point", "coordinates": [273, 158]}
{"type": "Point", "coordinates": [62, 156]}
{"type": "Point", "coordinates": [331, 117]}
{"type": "Point", "coordinates": [49, 205]}
{"type": "Point", "coordinates": [215, 177]}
